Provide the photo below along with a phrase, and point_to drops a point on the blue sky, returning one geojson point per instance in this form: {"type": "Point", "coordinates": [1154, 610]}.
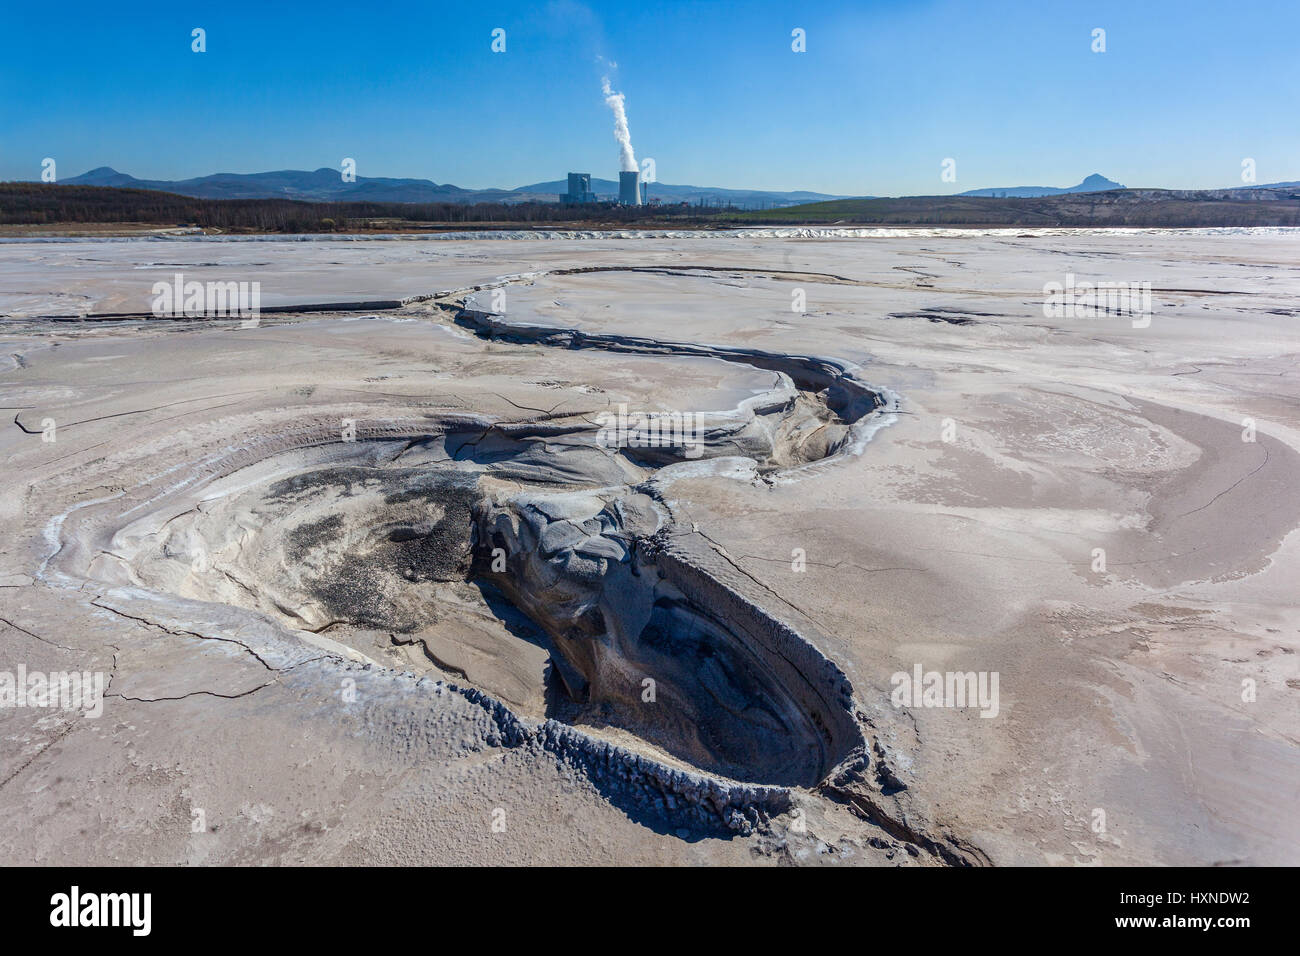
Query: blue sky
{"type": "Point", "coordinates": [885, 92]}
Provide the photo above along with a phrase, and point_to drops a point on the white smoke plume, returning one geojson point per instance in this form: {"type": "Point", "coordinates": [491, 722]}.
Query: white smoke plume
{"type": "Point", "coordinates": [615, 102]}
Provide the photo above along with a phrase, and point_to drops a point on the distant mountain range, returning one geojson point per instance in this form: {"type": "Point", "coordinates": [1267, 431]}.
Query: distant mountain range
{"type": "Point", "coordinates": [322, 185]}
{"type": "Point", "coordinates": [327, 185]}
{"type": "Point", "coordinates": [1095, 183]}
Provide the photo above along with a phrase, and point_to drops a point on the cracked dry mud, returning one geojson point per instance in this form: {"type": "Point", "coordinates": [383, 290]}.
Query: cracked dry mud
{"type": "Point", "coordinates": [365, 584]}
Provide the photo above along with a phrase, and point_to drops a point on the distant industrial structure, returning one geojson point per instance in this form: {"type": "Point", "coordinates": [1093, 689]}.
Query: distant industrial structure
{"type": "Point", "coordinates": [631, 191]}
{"type": "Point", "coordinates": [579, 190]}
{"type": "Point", "coordinates": [629, 188]}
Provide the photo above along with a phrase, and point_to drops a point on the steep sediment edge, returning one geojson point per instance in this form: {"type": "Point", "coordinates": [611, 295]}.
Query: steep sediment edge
{"type": "Point", "coordinates": [710, 583]}
{"type": "Point", "coordinates": [705, 801]}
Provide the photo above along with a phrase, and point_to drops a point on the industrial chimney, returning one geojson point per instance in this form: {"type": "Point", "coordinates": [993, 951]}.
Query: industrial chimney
{"type": "Point", "coordinates": [629, 188]}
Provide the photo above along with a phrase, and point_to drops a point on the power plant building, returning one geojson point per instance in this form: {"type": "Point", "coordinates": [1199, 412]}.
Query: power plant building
{"type": "Point", "coordinates": [579, 190]}
{"type": "Point", "coordinates": [629, 190]}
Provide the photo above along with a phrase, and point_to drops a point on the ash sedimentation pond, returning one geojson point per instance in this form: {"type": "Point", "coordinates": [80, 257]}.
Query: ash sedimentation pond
{"type": "Point", "coordinates": [1058, 407]}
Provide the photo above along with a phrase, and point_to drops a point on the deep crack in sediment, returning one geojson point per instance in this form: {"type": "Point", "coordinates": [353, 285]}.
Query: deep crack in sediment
{"type": "Point", "coordinates": [648, 640]}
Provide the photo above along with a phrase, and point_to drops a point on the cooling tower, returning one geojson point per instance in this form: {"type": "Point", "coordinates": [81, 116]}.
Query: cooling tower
{"type": "Point", "coordinates": [629, 188]}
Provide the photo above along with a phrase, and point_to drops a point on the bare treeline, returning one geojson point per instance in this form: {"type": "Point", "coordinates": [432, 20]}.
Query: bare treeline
{"type": "Point", "coordinates": [48, 204]}
{"type": "Point", "coordinates": [1145, 208]}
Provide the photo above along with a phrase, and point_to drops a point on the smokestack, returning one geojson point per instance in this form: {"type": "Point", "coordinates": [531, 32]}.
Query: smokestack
{"type": "Point", "coordinates": [614, 101]}
{"type": "Point", "coordinates": [629, 188]}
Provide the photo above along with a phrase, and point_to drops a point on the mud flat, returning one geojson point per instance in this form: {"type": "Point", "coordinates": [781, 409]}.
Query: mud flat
{"type": "Point", "coordinates": [368, 586]}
